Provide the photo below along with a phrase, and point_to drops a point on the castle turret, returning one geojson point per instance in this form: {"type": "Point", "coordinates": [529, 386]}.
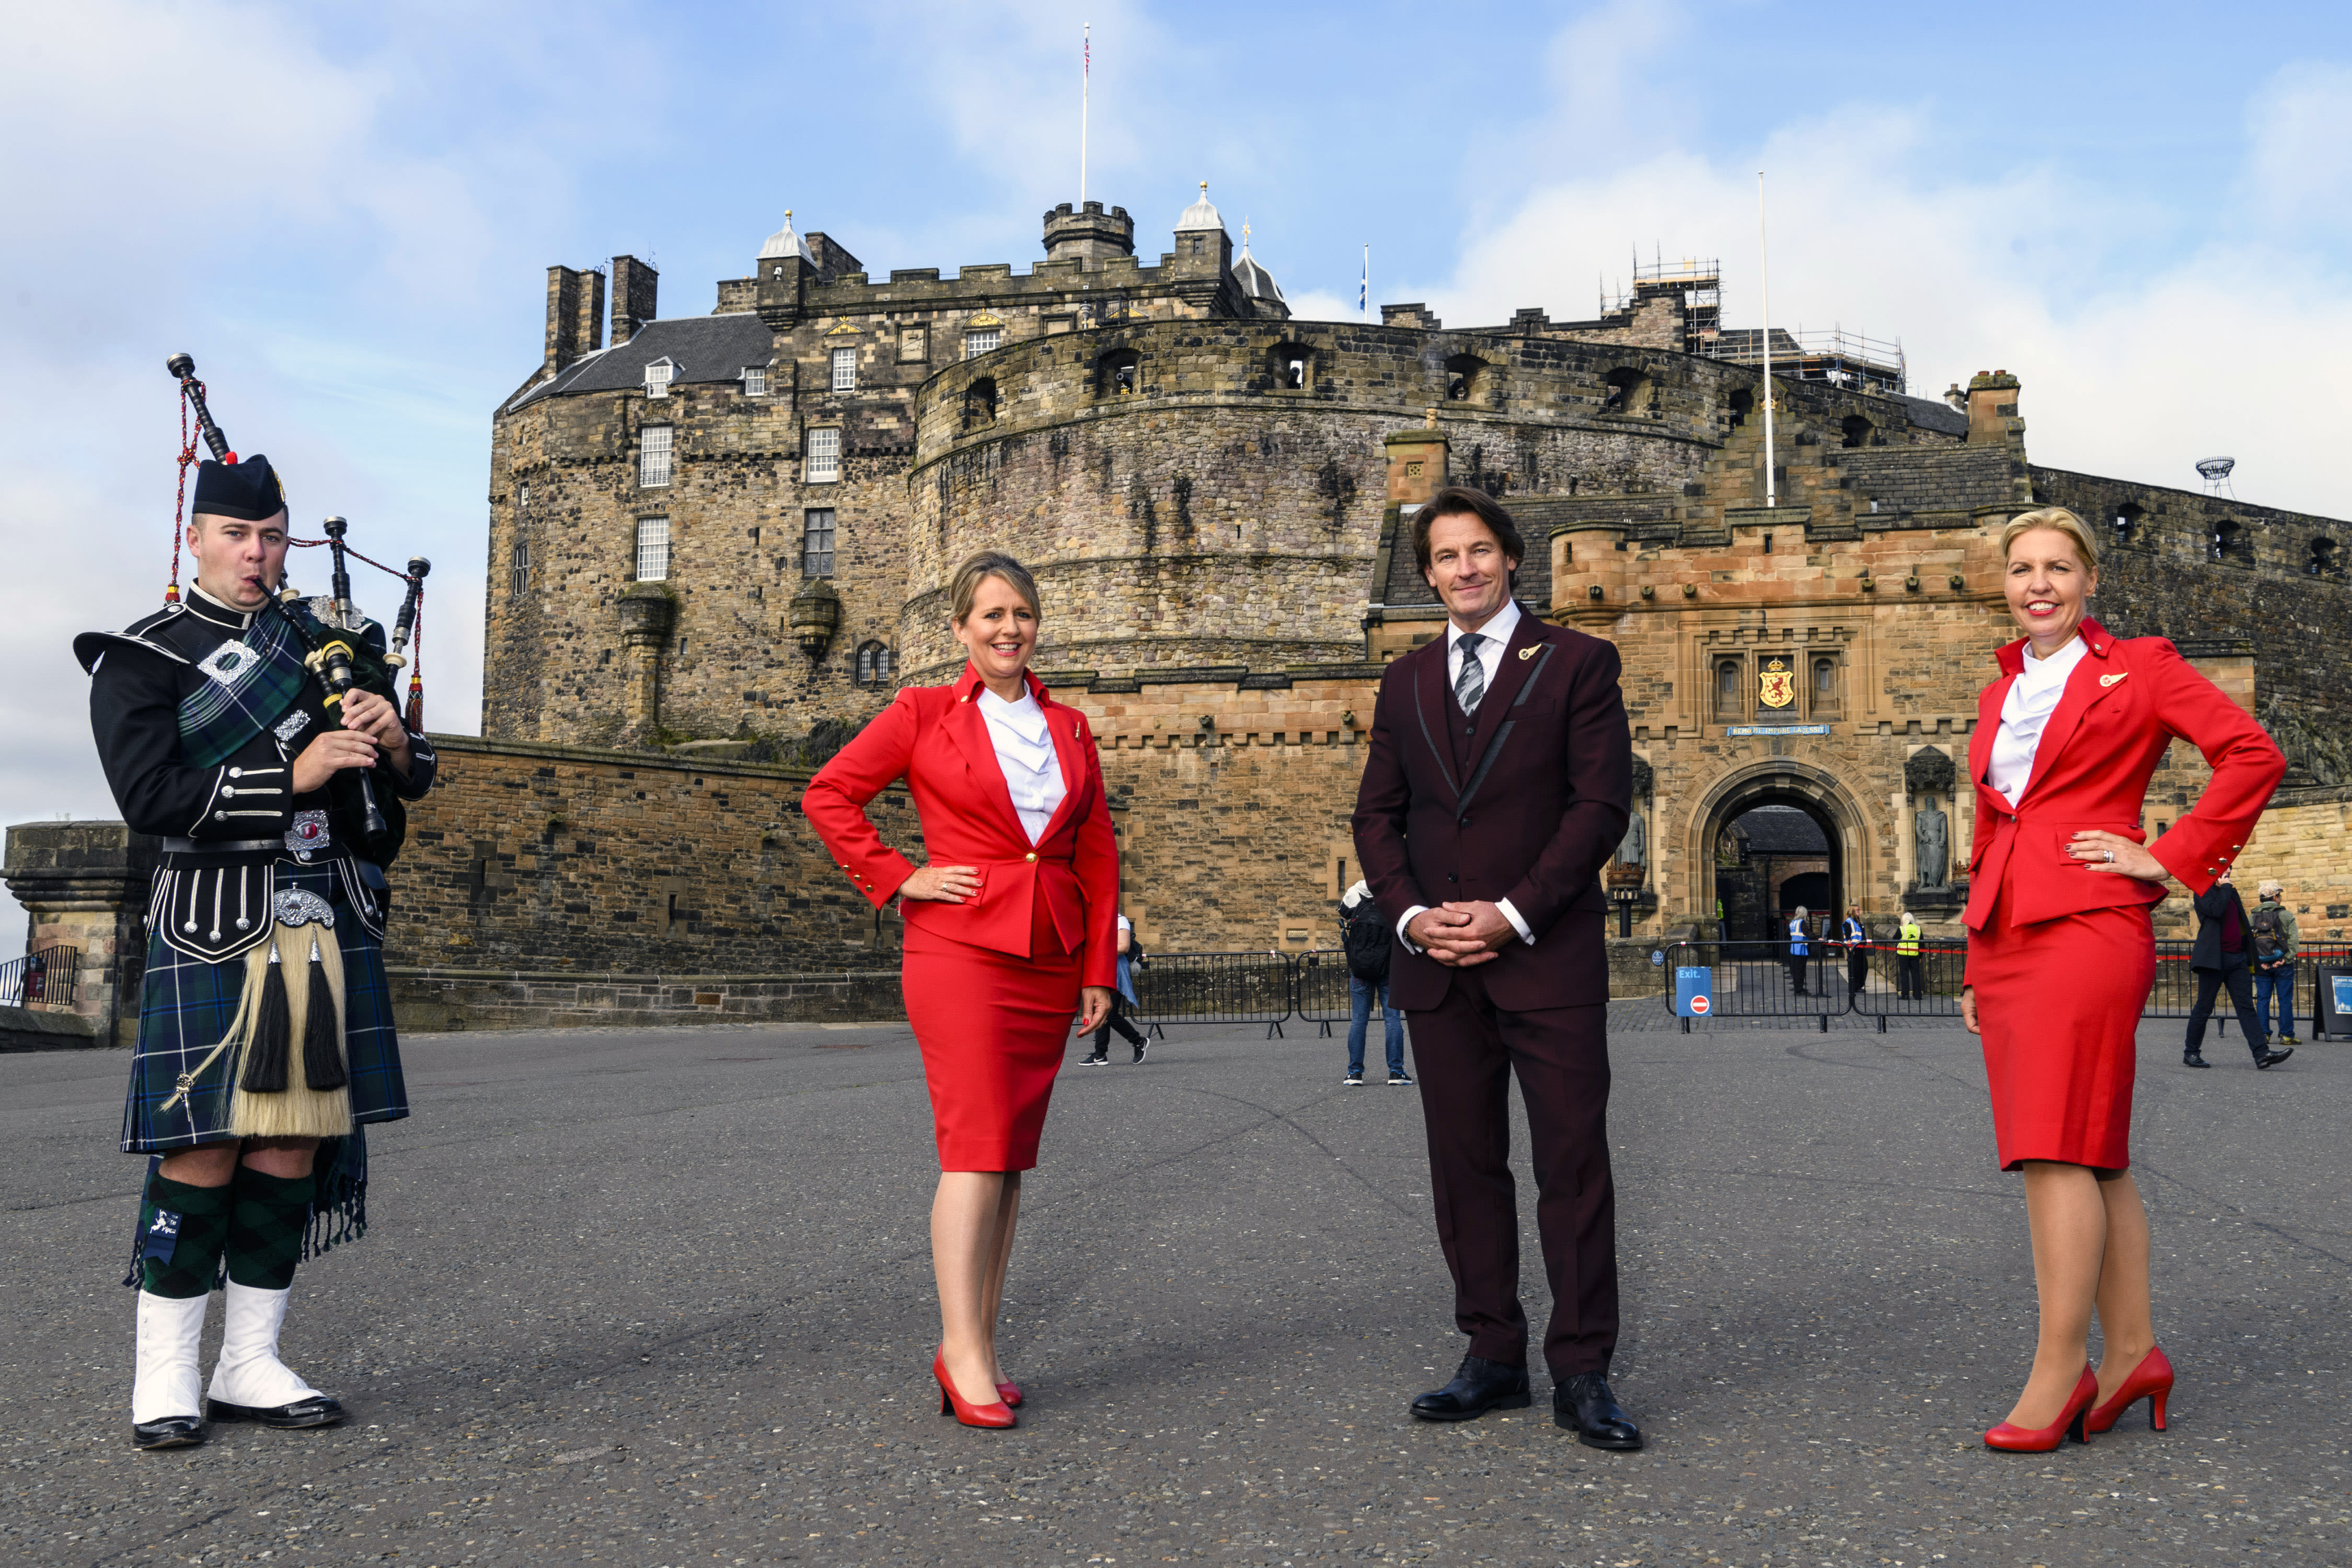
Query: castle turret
{"type": "Point", "coordinates": [1201, 238]}
{"type": "Point", "coordinates": [1089, 233]}
{"type": "Point", "coordinates": [785, 269]}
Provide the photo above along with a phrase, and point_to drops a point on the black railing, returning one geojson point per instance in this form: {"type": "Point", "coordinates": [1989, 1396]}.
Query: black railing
{"type": "Point", "coordinates": [1764, 979]}
{"type": "Point", "coordinates": [1898, 984]}
{"type": "Point", "coordinates": [49, 977]}
{"type": "Point", "coordinates": [1214, 988]}
{"type": "Point", "coordinates": [1319, 990]}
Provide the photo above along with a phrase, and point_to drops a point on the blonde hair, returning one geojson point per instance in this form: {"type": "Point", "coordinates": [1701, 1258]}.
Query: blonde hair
{"type": "Point", "coordinates": [978, 569]}
{"type": "Point", "coordinates": [2063, 521]}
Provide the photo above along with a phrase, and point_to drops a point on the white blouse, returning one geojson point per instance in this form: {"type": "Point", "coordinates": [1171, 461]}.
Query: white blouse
{"type": "Point", "coordinates": [2032, 698]}
{"type": "Point", "coordinates": [1025, 751]}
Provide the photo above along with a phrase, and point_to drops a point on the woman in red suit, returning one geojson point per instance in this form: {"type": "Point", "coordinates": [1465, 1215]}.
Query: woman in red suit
{"type": "Point", "coordinates": [1010, 928]}
{"type": "Point", "coordinates": [2061, 953]}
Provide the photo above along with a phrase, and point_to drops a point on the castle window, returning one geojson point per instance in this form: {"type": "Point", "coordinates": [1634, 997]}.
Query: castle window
{"type": "Point", "coordinates": [873, 665]}
{"type": "Point", "coordinates": [1825, 691]}
{"type": "Point", "coordinates": [1857, 431]}
{"type": "Point", "coordinates": [824, 460]}
{"type": "Point", "coordinates": [522, 496]}
{"type": "Point", "coordinates": [1628, 390]}
{"type": "Point", "coordinates": [518, 568]}
{"type": "Point", "coordinates": [653, 455]}
{"type": "Point", "coordinates": [2232, 541]}
{"type": "Point", "coordinates": [1115, 373]}
{"type": "Point", "coordinates": [844, 370]}
{"type": "Point", "coordinates": [2126, 523]}
{"type": "Point", "coordinates": [816, 541]}
{"type": "Point", "coordinates": [755, 380]}
{"type": "Point", "coordinates": [1464, 374]}
{"type": "Point", "coordinates": [979, 404]}
{"type": "Point", "coordinates": [2325, 558]}
{"type": "Point", "coordinates": [657, 376]}
{"type": "Point", "coordinates": [653, 549]}
{"type": "Point", "coordinates": [1743, 404]}
{"type": "Point", "coordinates": [1729, 707]}
{"type": "Point", "coordinates": [979, 343]}
{"type": "Point", "coordinates": [1293, 366]}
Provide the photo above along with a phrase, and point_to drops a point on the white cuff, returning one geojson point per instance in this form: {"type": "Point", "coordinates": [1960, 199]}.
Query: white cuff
{"type": "Point", "coordinates": [1409, 914]}
{"type": "Point", "coordinates": [1518, 924]}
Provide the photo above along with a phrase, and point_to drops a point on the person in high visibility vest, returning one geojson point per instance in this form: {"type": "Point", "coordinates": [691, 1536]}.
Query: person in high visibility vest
{"type": "Point", "coordinates": [1910, 983]}
{"type": "Point", "coordinates": [1798, 953]}
{"type": "Point", "coordinates": [1857, 951]}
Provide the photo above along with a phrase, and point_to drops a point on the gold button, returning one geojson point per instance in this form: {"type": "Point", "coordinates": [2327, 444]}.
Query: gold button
{"type": "Point", "coordinates": [1031, 856]}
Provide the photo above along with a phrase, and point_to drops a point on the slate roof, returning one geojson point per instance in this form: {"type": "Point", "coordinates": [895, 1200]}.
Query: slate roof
{"type": "Point", "coordinates": [1923, 479]}
{"type": "Point", "coordinates": [1782, 830]}
{"type": "Point", "coordinates": [704, 349]}
{"type": "Point", "coordinates": [1935, 414]}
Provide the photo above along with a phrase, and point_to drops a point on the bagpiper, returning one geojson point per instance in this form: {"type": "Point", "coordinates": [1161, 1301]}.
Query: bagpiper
{"type": "Point", "coordinates": [266, 1041]}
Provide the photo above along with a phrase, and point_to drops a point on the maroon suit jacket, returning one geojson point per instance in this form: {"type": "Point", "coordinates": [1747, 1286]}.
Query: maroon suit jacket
{"type": "Point", "coordinates": [1533, 819]}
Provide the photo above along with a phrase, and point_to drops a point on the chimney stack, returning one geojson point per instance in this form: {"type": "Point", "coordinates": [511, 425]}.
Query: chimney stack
{"type": "Point", "coordinates": [634, 285]}
{"type": "Point", "coordinates": [591, 311]}
{"type": "Point", "coordinates": [562, 318]}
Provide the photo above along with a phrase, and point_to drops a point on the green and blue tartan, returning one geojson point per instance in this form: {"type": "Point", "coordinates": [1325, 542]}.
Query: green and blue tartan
{"type": "Point", "coordinates": [252, 683]}
{"type": "Point", "coordinates": [187, 1005]}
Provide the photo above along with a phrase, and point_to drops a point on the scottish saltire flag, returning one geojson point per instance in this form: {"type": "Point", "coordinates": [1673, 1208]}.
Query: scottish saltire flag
{"type": "Point", "coordinates": [1364, 290]}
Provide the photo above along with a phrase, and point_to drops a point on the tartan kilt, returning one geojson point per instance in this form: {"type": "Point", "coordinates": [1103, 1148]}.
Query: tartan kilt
{"type": "Point", "coordinates": [187, 1005]}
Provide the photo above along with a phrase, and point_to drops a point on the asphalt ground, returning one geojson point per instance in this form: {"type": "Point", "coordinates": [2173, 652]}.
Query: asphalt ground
{"type": "Point", "coordinates": [664, 1298]}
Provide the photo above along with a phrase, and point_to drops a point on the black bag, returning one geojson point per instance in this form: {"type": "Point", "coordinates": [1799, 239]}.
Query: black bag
{"type": "Point", "coordinates": [1366, 936]}
{"type": "Point", "coordinates": [2269, 946]}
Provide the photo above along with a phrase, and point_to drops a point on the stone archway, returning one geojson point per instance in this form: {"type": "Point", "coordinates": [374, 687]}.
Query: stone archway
{"type": "Point", "coordinates": [1782, 781]}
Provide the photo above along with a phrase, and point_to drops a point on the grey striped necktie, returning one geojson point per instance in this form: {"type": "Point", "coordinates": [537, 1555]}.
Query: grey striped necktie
{"type": "Point", "coordinates": [1470, 686]}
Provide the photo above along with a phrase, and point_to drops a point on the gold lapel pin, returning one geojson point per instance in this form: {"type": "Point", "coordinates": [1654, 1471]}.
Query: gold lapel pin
{"type": "Point", "coordinates": [1528, 652]}
{"type": "Point", "coordinates": [2111, 679]}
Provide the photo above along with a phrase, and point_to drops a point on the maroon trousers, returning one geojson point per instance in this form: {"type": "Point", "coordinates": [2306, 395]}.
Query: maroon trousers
{"type": "Point", "coordinates": [1464, 1049]}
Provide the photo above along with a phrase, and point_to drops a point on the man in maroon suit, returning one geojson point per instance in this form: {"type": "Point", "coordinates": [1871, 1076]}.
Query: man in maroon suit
{"type": "Point", "coordinates": [1498, 784]}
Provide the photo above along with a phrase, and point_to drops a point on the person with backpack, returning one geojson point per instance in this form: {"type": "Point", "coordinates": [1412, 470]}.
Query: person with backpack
{"type": "Point", "coordinates": [1365, 936]}
{"type": "Point", "coordinates": [2276, 943]}
{"type": "Point", "coordinates": [1122, 1001]}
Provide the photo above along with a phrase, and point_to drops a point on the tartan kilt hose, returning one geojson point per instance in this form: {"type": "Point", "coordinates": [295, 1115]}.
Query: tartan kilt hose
{"type": "Point", "coordinates": [188, 1005]}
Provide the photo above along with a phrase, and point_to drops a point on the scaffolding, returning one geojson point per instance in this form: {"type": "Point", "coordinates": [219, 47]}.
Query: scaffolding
{"type": "Point", "coordinates": [1698, 282]}
{"type": "Point", "coordinates": [1837, 356]}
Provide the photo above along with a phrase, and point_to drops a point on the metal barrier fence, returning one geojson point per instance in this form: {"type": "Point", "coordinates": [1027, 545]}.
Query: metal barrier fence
{"type": "Point", "coordinates": [1764, 979]}
{"type": "Point", "coordinates": [50, 976]}
{"type": "Point", "coordinates": [1214, 988]}
{"type": "Point", "coordinates": [1896, 985]}
{"type": "Point", "coordinates": [1319, 990]}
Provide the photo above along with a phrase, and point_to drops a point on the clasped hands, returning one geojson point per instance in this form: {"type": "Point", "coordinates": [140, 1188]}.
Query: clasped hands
{"type": "Point", "coordinates": [1460, 935]}
{"type": "Point", "coordinates": [372, 728]}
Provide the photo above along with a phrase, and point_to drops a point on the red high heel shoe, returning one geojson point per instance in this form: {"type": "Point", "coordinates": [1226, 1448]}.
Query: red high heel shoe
{"type": "Point", "coordinates": [2151, 1379]}
{"type": "Point", "coordinates": [2027, 1440]}
{"type": "Point", "coordinates": [997, 1415]}
{"type": "Point", "coordinates": [1011, 1393]}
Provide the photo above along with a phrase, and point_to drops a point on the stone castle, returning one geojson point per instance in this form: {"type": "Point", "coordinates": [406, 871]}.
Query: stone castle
{"type": "Point", "coordinates": [719, 544]}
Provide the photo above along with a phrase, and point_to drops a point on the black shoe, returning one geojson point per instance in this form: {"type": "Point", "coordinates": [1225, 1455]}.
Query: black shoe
{"type": "Point", "coordinates": [1584, 1406]}
{"type": "Point", "coordinates": [1140, 1047]}
{"type": "Point", "coordinates": [2272, 1058]}
{"type": "Point", "coordinates": [317, 1411]}
{"type": "Point", "coordinates": [2194, 1060]}
{"type": "Point", "coordinates": [1399, 1081]}
{"type": "Point", "coordinates": [1479, 1385]}
{"type": "Point", "coordinates": [170, 1432]}
{"type": "Point", "coordinates": [1096, 1060]}
{"type": "Point", "coordinates": [1355, 1078]}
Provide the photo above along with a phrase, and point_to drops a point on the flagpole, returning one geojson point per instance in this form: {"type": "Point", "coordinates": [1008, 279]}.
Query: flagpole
{"type": "Point", "coordinates": [1085, 91]}
{"type": "Point", "coordinates": [1764, 272]}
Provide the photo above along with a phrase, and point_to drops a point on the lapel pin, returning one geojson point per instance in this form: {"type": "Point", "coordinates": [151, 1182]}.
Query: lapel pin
{"type": "Point", "coordinates": [1528, 653]}
{"type": "Point", "coordinates": [2111, 679]}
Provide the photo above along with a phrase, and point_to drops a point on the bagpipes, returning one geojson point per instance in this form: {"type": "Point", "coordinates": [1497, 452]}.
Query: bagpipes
{"type": "Point", "coordinates": [333, 630]}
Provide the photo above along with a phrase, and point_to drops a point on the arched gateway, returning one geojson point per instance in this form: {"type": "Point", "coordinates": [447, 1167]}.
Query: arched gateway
{"type": "Point", "coordinates": [1775, 781]}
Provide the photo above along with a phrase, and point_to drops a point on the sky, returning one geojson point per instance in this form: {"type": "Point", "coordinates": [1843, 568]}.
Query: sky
{"type": "Point", "coordinates": [346, 214]}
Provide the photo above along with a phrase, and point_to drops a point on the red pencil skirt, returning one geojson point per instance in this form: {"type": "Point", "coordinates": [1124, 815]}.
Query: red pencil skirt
{"type": "Point", "coordinates": [994, 1028]}
{"type": "Point", "coordinates": [2060, 1002]}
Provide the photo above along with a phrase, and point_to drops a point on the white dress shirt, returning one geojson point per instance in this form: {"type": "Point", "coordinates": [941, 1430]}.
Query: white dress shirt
{"type": "Point", "coordinates": [2032, 698]}
{"type": "Point", "coordinates": [1025, 751]}
{"type": "Point", "coordinates": [1497, 632]}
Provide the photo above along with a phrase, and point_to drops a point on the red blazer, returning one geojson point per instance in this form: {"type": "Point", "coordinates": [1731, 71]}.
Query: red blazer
{"type": "Point", "coordinates": [935, 739]}
{"type": "Point", "coordinates": [2123, 705]}
{"type": "Point", "coordinates": [1535, 817]}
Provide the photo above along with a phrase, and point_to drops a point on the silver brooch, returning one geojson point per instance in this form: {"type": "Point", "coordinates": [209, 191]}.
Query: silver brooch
{"type": "Point", "coordinates": [296, 907]}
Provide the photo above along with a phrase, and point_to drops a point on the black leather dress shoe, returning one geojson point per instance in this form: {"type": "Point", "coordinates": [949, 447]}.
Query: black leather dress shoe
{"type": "Point", "coordinates": [1584, 1406]}
{"type": "Point", "coordinates": [170, 1432]}
{"type": "Point", "coordinates": [1479, 1385]}
{"type": "Point", "coordinates": [319, 1411]}
{"type": "Point", "coordinates": [2272, 1058]}
{"type": "Point", "coordinates": [2193, 1061]}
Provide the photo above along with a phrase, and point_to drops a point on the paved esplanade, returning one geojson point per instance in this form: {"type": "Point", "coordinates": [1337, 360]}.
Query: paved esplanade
{"type": "Point", "coordinates": [649, 1298]}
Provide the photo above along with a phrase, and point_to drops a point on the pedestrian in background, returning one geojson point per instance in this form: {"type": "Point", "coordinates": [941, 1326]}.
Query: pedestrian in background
{"type": "Point", "coordinates": [2224, 957]}
{"type": "Point", "coordinates": [1857, 952]}
{"type": "Point", "coordinates": [1122, 1001]}
{"type": "Point", "coordinates": [1365, 937]}
{"type": "Point", "coordinates": [2276, 943]}
{"type": "Point", "coordinates": [1799, 951]}
{"type": "Point", "coordinates": [1910, 984]}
